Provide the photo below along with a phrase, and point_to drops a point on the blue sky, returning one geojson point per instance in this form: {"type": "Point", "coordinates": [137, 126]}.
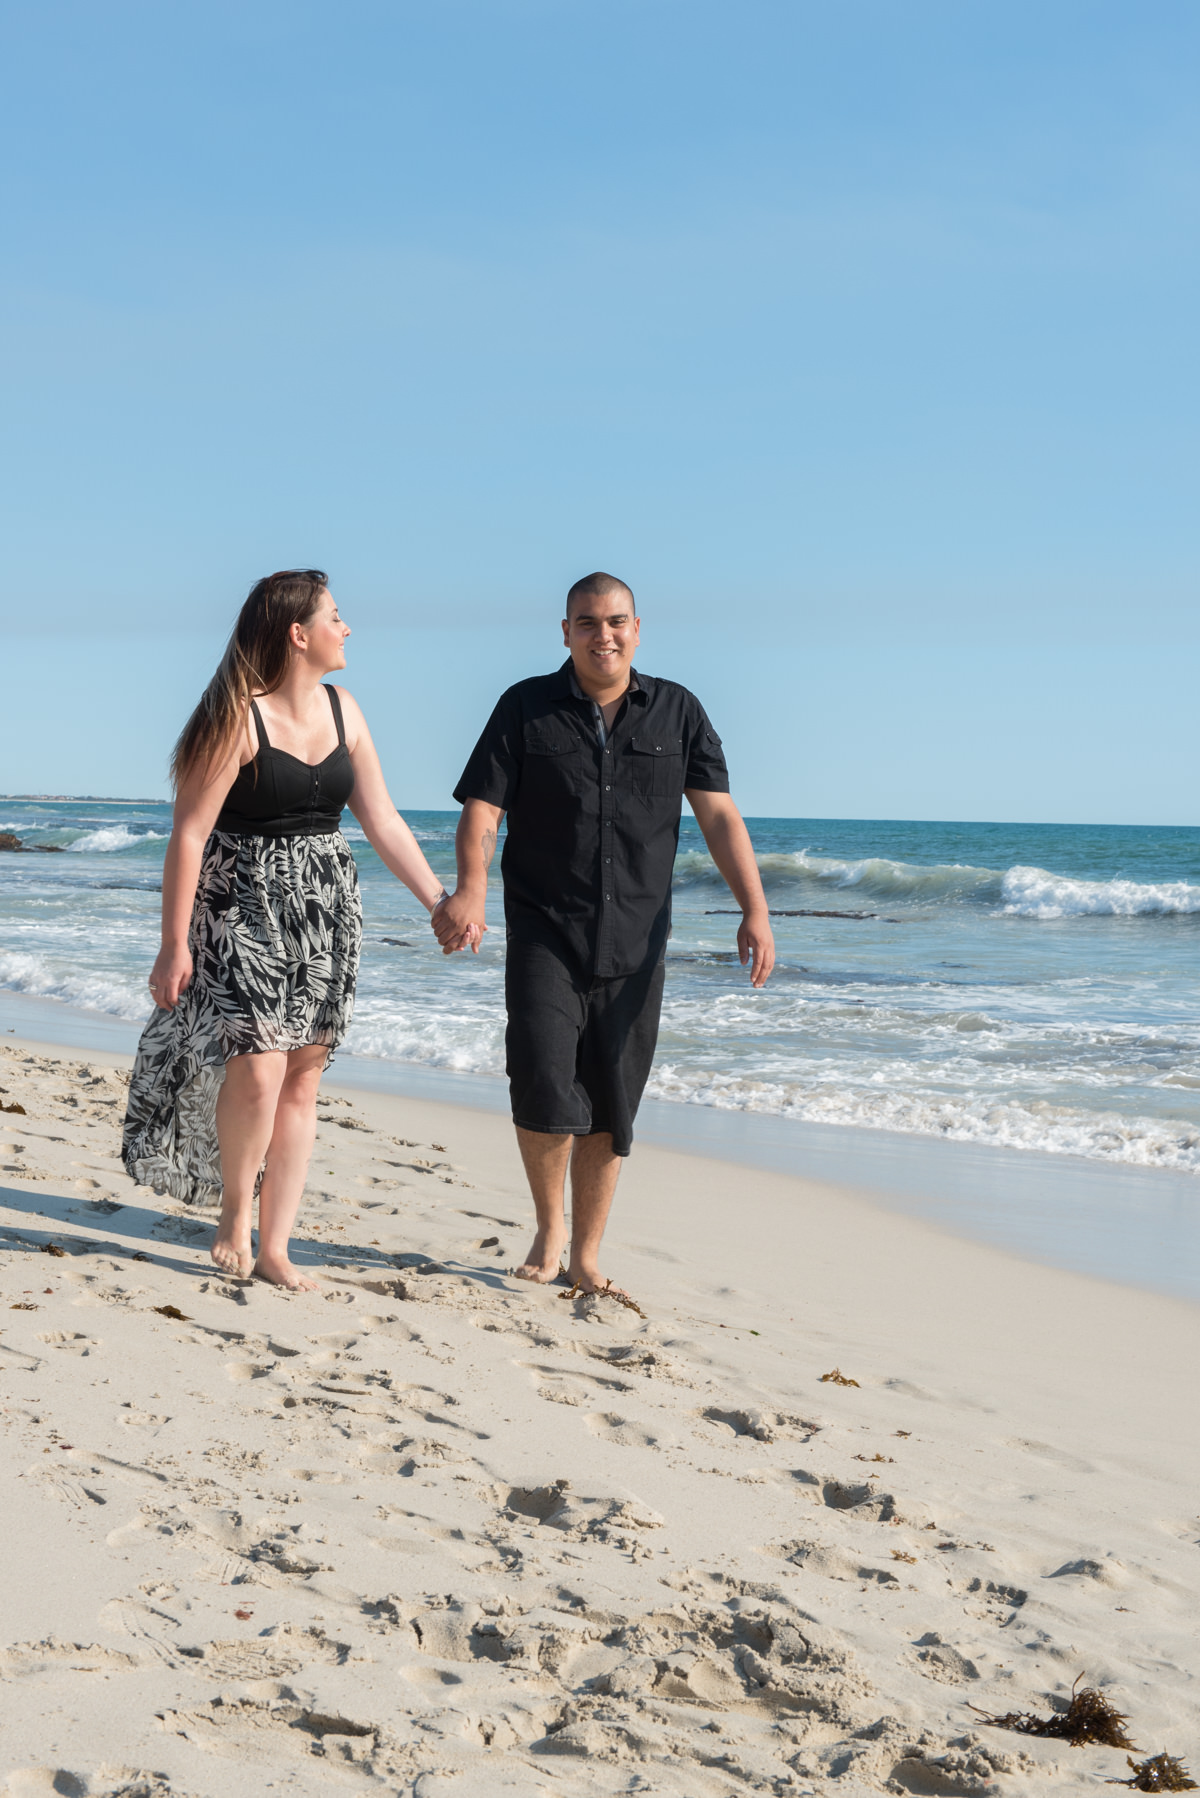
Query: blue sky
{"type": "Point", "coordinates": [859, 338]}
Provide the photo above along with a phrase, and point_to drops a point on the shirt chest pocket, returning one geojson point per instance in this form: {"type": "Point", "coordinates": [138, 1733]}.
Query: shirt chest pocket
{"type": "Point", "coordinates": [657, 764]}
{"type": "Point", "coordinates": [553, 761]}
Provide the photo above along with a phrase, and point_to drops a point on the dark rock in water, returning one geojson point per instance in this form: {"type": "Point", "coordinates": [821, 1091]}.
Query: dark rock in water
{"type": "Point", "coordinates": [9, 841]}
{"type": "Point", "coordinates": [804, 914]}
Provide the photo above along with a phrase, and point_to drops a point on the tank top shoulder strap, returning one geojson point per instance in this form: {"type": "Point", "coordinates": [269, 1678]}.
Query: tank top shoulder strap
{"type": "Point", "coordinates": [264, 742]}
{"type": "Point", "coordinates": [336, 703]}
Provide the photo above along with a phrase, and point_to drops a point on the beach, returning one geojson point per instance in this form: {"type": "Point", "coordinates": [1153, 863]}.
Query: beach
{"type": "Point", "coordinates": [432, 1530]}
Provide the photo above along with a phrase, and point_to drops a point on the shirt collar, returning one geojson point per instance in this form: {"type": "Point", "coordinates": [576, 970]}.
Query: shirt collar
{"type": "Point", "coordinates": [639, 684]}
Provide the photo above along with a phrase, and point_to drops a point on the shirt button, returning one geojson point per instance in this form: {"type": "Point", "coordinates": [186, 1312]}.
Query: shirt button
{"type": "Point", "coordinates": [608, 858]}
{"type": "Point", "coordinates": [608, 789]}
{"type": "Point", "coordinates": [608, 895]}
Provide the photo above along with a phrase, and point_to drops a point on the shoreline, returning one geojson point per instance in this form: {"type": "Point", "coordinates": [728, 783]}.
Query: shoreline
{"type": "Point", "coordinates": [1130, 1225]}
{"type": "Point", "coordinates": [457, 1535]}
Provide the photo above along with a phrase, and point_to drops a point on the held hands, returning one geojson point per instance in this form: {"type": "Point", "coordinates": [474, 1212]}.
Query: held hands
{"type": "Point", "coordinates": [755, 939]}
{"type": "Point", "coordinates": [457, 923]}
{"type": "Point", "coordinates": [171, 973]}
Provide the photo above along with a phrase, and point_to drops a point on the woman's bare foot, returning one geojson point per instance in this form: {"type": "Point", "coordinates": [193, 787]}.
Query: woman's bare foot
{"type": "Point", "coordinates": [544, 1260]}
{"type": "Point", "coordinates": [232, 1250]}
{"type": "Point", "coordinates": [279, 1271]}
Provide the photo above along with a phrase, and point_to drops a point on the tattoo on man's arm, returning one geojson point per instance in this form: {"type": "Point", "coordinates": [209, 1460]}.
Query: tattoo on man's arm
{"type": "Point", "coordinates": [487, 843]}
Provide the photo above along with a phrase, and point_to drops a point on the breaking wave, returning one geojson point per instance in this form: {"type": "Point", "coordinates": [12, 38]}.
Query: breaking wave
{"type": "Point", "coordinates": [1018, 892]}
{"type": "Point", "coordinates": [1032, 893]}
{"type": "Point", "coordinates": [111, 837]}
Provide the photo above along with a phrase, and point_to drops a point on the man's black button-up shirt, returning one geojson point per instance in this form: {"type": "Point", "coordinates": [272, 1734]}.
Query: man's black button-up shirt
{"type": "Point", "coordinates": [592, 828]}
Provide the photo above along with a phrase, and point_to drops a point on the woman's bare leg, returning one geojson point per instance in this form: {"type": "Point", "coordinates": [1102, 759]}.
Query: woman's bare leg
{"type": "Point", "coordinates": [245, 1122]}
{"type": "Point", "coordinates": [288, 1156]}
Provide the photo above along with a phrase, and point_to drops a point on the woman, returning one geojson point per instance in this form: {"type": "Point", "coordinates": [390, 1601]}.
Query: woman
{"type": "Point", "coordinates": [254, 983]}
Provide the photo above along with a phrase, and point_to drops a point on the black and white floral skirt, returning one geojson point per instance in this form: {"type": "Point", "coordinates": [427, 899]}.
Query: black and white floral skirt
{"type": "Point", "coordinates": [275, 939]}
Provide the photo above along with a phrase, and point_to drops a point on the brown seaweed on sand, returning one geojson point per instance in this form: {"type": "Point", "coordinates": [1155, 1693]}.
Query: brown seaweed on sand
{"type": "Point", "coordinates": [1088, 1718]}
{"type": "Point", "coordinates": [838, 1378]}
{"type": "Point", "coordinates": [1161, 1773]}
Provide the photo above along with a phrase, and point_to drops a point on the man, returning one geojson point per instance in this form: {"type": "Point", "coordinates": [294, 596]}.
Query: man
{"type": "Point", "coordinates": [591, 765]}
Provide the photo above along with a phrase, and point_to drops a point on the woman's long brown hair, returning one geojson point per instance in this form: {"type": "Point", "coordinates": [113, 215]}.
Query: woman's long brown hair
{"type": "Point", "coordinates": [255, 661]}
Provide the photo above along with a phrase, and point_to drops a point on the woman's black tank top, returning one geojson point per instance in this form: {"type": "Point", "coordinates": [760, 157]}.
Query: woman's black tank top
{"type": "Point", "coordinates": [278, 795]}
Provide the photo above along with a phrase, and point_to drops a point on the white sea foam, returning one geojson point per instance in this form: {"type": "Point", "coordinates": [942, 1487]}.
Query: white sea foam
{"type": "Point", "coordinates": [111, 837]}
{"type": "Point", "coordinates": [1034, 893]}
{"type": "Point", "coordinates": [466, 1041]}
{"type": "Point", "coordinates": [1009, 1123]}
{"type": "Point", "coordinates": [120, 995]}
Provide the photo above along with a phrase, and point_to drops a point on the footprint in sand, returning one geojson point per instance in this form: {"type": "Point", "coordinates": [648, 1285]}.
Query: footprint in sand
{"type": "Point", "coordinates": [560, 1392]}
{"type": "Point", "coordinates": [72, 1493]}
{"type": "Point", "coordinates": [564, 1377]}
{"type": "Point", "coordinates": [938, 1660]}
{"type": "Point", "coordinates": [70, 1340]}
{"type": "Point", "coordinates": [610, 1427]}
{"type": "Point", "coordinates": [760, 1425]}
{"type": "Point", "coordinates": [80, 1657]}
{"type": "Point", "coordinates": [834, 1562]}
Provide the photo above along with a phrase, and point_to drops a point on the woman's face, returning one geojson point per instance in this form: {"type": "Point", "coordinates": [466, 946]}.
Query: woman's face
{"type": "Point", "coordinates": [322, 641]}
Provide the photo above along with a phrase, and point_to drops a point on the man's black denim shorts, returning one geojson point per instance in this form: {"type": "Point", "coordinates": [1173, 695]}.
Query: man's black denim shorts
{"type": "Point", "coordinates": [578, 1050]}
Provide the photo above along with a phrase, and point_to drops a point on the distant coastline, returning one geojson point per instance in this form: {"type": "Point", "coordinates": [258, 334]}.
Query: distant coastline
{"type": "Point", "coordinates": [78, 799]}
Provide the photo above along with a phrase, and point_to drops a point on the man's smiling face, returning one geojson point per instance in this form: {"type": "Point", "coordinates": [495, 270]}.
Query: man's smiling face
{"type": "Point", "coordinates": [602, 635]}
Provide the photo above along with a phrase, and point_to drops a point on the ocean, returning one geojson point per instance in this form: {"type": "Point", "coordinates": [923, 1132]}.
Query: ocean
{"type": "Point", "coordinates": [1030, 987]}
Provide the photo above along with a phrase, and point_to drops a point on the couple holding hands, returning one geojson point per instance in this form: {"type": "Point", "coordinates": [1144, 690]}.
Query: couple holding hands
{"type": "Point", "coordinates": [262, 922]}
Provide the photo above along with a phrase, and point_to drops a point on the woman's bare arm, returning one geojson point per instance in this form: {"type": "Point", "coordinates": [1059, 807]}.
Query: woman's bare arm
{"type": "Point", "coordinates": [197, 806]}
{"type": "Point", "coordinates": [382, 824]}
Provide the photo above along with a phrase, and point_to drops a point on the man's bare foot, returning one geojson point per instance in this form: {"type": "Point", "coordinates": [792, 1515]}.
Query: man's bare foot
{"type": "Point", "coordinates": [585, 1286]}
{"type": "Point", "coordinates": [281, 1272]}
{"type": "Point", "coordinates": [232, 1250]}
{"type": "Point", "coordinates": [544, 1260]}
{"type": "Point", "coordinates": [589, 1283]}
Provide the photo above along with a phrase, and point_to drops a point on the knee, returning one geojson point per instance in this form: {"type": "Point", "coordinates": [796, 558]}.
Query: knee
{"type": "Point", "coordinates": [299, 1090]}
{"type": "Point", "coordinates": [250, 1080]}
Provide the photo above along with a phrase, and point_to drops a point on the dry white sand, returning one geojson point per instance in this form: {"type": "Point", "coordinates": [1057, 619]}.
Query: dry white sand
{"type": "Point", "coordinates": [430, 1530]}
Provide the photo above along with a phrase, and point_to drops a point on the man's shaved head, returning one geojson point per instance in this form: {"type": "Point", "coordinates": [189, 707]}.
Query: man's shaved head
{"type": "Point", "coordinates": [596, 587]}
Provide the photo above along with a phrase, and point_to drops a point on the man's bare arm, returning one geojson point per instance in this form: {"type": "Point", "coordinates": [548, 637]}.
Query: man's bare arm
{"type": "Point", "coordinates": [730, 847]}
{"type": "Point", "coordinates": [474, 847]}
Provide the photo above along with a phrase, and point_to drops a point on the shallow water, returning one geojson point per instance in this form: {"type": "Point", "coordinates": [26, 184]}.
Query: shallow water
{"type": "Point", "coordinates": [1028, 986]}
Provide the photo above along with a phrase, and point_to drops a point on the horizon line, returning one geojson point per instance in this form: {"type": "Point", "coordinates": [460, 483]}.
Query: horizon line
{"type": "Point", "coordinates": [759, 817]}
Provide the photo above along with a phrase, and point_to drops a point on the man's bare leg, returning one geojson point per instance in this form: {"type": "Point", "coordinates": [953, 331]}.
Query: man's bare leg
{"type": "Point", "coordinates": [545, 1159]}
{"type": "Point", "coordinates": [594, 1171]}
